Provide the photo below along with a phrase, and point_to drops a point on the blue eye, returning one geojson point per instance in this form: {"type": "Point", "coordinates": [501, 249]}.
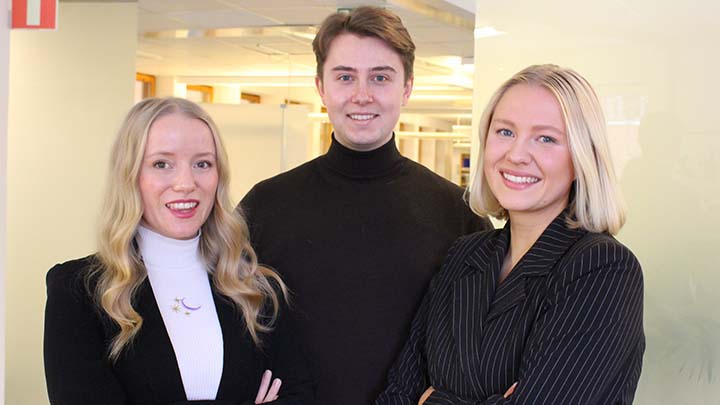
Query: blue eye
{"type": "Point", "coordinates": [161, 164]}
{"type": "Point", "coordinates": [344, 78]}
{"type": "Point", "coordinates": [381, 78]}
{"type": "Point", "coordinates": [547, 139]}
{"type": "Point", "coordinates": [203, 164]}
{"type": "Point", "coordinates": [504, 132]}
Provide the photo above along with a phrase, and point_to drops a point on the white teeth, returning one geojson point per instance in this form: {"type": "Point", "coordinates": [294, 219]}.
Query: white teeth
{"type": "Point", "coordinates": [182, 205]}
{"type": "Point", "coordinates": [361, 117]}
{"type": "Point", "coordinates": [520, 180]}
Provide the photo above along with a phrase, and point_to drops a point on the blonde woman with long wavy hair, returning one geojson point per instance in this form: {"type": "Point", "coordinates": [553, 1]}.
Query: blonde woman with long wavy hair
{"type": "Point", "coordinates": [173, 307]}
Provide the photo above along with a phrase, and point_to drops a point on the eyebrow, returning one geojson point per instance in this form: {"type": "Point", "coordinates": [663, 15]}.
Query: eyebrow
{"type": "Point", "coordinates": [383, 68]}
{"type": "Point", "coordinates": [535, 127]}
{"type": "Point", "coordinates": [164, 153]}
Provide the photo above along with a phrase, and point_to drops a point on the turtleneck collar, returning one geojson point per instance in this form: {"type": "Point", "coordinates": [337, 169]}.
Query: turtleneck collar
{"type": "Point", "coordinates": [364, 165]}
{"type": "Point", "coordinates": [161, 252]}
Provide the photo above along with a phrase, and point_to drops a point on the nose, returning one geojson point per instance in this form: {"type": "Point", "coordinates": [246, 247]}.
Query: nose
{"type": "Point", "coordinates": [518, 153]}
{"type": "Point", "coordinates": [184, 181]}
{"type": "Point", "coordinates": [362, 93]}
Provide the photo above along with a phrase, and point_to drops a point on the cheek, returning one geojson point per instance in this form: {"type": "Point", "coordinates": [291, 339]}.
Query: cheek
{"type": "Point", "coordinates": [146, 188]}
{"type": "Point", "coordinates": [151, 188]}
{"type": "Point", "coordinates": [211, 184]}
{"type": "Point", "coordinates": [563, 164]}
{"type": "Point", "coordinates": [490, 155]}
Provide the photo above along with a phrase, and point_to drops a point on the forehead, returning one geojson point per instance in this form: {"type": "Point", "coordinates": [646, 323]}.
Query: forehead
{"type": "Point", "coordinates": [177, 131]}
{"type": "Point", "coordinates": [360, 53]}
{"type": "Point", "coordinates": [530, 103]}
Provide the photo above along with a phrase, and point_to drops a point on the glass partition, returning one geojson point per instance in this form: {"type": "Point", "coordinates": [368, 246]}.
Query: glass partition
{"type": "Point", "coordinates": [655, 67]}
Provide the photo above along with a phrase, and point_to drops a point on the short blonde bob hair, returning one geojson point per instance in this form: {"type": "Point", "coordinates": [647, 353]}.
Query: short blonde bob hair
{"type": "Point", "coordinates": [596, 203]}
{"type": "Point", "coordinates": [224, 240]}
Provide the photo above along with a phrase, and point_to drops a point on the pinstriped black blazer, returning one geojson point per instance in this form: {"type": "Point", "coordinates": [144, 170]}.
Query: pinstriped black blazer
{"type": "Point", "coordinates": [566, 324]}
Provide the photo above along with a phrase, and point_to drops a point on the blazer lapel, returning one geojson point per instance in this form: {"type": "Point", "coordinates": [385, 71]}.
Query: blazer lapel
{"type": "Point", "coordinates": [508, 295]}
{"type": "Point", "coordinates": [472, 297]}
{"type": "Point", "coordinates": [156, 356]}
{"type": "Point", "coordinates": [240, 358]}
{"type": "Point", "coordinates": [539, 261]}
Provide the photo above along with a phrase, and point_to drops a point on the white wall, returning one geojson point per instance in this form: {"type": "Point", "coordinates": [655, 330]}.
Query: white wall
{"type": "Point", "coordinates": [69, 90]}
{"type": "Point", "coordinates": [262, 140]}
{"type": "Point", "coordinates": [660, 90]}
{"type": "Point", "coordinates": [4, 66]}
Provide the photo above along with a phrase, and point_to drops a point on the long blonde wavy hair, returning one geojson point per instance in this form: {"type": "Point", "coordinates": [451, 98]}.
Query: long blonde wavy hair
{"type": "Point", "coordinates": [224, 241]}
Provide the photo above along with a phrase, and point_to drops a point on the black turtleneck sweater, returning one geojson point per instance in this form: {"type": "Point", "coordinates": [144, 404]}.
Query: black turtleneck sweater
{"type": "Point", "coordinates": [357, 237]}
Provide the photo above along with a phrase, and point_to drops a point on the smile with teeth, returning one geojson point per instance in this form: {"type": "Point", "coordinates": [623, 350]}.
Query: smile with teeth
{"type": "Point", "coordinates": [361, 117]}
{"type": "Point", "coordinates": [520, 179]}
{"type": "Point", "coordinates": [180, 206]}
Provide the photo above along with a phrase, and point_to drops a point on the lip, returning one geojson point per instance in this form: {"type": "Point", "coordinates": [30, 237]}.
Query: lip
{"type": "Point", "coordinates": [361, 117]}
{"type": "Point", "coordinates": [183, 213]}
{"type": "Point", "coordinates": [514, 185]}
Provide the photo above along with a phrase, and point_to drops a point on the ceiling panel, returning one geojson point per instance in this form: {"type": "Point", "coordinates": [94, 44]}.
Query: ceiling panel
{"type": "Point", "coordinates": [158, 22]}
{"type": "Point", "coordinates": [305, 15]}
{"type": "Point", "coordinates": [220, 18]}
{"type": "Point", "coordinates": [167, 6]}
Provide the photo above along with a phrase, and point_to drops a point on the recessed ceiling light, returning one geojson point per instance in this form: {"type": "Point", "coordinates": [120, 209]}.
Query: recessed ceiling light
{"type": "Point", "coordinates": [487, 32]}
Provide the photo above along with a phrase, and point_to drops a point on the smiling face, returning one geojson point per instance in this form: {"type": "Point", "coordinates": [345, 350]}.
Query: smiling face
{"type": "Point", "coordinates": [178, 177]}
{"type": "Point", "coordinates": [363, 87]}
{"type": "Point", "coordinates": [527, 159]}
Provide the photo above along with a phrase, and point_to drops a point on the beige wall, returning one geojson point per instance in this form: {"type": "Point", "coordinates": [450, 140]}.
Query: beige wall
{"type": "Point", "coordinates": [660, 95]}
{"type": "Point", "coordinates": [4, 64]}
{"type": "Point", "coordinates": [69, 90]}
{"type": "Point", "coordinates": [262, 140]}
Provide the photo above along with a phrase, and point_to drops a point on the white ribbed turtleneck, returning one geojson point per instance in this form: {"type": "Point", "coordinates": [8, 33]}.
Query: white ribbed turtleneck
{"type": "Point", "coordinates": [182, 290]}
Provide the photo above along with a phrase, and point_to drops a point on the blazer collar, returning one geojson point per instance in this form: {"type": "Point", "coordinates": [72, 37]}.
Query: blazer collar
{"type": "Point", "coordinates": [552, 244]}
{"type": "Point", "coordinates": [477, 297]}
{"type": "Point", "coordinates": [490, 252]}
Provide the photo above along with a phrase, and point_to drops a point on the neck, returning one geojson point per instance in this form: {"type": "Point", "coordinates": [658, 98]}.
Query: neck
{"type": "Point", "coordinates": [159, 251]}
{"type": "Point", "coordinates": [378, 162]}
{"type": "Point", "coordinates": [525, 230]}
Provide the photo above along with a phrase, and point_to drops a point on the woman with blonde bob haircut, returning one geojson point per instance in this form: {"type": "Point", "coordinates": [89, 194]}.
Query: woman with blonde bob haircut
{"type": "Point", "coordinates": [547, 310]}
{"type": "Point", "coordinates": [174, 306]}
{"type": "Point", "coordinates": [597, 205]}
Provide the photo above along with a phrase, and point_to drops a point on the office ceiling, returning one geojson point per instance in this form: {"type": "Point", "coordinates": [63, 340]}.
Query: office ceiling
{"type": "Point", "coordinates": [264, 47]}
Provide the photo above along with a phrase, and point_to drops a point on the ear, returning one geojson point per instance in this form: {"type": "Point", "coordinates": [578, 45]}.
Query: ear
{"type": "Point", "coordinates": [319, 87]}
{"type": "Point", "coordinates": [407, 90]}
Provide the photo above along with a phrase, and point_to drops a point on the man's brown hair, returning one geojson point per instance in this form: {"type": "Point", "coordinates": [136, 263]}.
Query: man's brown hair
{"type": "Point", "coordinates": [366, 22]}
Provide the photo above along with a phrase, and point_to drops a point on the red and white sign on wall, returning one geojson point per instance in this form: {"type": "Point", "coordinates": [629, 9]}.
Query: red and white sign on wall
{"type": "Point", "coordinates": [34, 14]}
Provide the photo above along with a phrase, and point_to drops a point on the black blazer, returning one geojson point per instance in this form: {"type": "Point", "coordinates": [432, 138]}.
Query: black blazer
{"type": "Point", "coordinates": [77, 336]}
{"type": "Point", "coordinates": [566, 324]}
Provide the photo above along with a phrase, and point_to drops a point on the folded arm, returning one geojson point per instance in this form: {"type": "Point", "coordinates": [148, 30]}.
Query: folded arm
{"type": "Point", "coordinates": [587, 342]}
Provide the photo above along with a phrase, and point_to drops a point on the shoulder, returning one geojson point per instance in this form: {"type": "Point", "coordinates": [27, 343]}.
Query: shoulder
{"type": "Point", "coordinates": [279, 183]}
{"type": "Point", "coordinates": [69, 278]}
{"type": "Point", "coordinates": [446, 198]}
{"type": "Point", "coordinates": [268, 193]}
{"type": "Point", "coordinates": [470, 249]}
{"type": "Point", "coordinates": [428, 178]}
{"type": "Point", "coordinates": [465, 245]}
{"type": "Point", "coordinates": [598, 254]}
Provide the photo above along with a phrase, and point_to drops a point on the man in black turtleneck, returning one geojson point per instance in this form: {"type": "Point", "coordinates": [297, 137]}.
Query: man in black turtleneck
{"type": "Point", "coordinates": [358, 233]}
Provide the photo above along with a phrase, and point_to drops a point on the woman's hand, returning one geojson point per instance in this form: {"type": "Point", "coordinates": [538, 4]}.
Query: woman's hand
{"type": "Point", "coordinates": [268, 392]}
{"type": "Point", "coordinates": [426, 395]}
{"type": "Point", "coordinates": [510, 390]}
{"type": "Point", "coordinates": [430, 390]}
